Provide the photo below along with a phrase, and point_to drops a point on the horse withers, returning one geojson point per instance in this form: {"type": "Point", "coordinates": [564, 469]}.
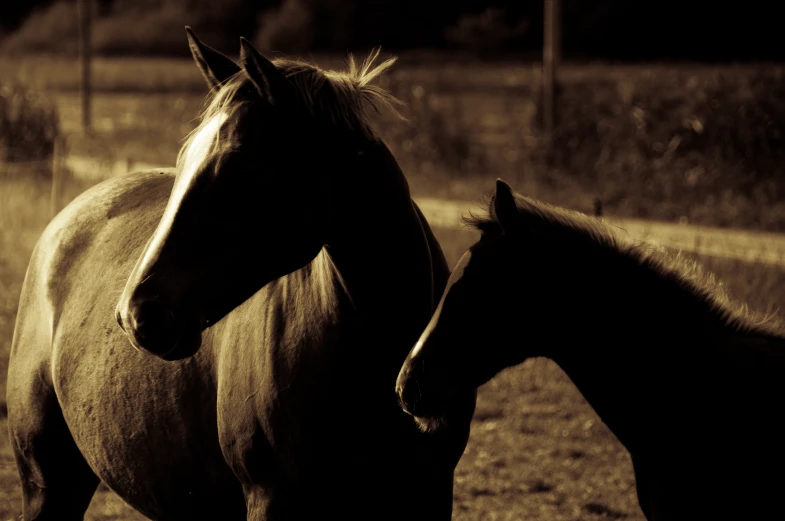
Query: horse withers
{"type": "Point", "coordinates": [221, 340]}
{"type": "Point", "coordinates": [688, 381]}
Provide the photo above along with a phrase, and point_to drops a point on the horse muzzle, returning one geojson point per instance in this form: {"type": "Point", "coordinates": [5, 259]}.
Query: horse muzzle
{"type": "Point", "coordinates": [153, 328]}
{"type": "Point", "coordinates": [421, 393]}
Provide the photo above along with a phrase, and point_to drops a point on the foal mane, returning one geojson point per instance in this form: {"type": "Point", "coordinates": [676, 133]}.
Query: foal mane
{"type": "Point", "coordinates": [688, 273]}
{"type": "Point", "coordinates": [339, 98]}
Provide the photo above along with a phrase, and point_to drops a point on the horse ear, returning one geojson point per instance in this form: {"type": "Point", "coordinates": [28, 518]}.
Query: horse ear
{"type": "Point", "coordinates": [504, 207]}
{"type": "Point", "coordinates": [216, 67]}
{"type": "Point", "coordinates": [271, 84]}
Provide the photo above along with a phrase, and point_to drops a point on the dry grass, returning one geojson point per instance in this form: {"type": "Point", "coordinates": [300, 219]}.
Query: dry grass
{"type": "Point", "coordinates": [662, 142]}
{"type": "Point", "coordinates": [537, 450]}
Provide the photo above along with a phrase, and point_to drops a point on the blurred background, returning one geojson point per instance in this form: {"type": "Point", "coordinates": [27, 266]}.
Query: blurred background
{"type": "Point", "coordinates": [666, 112]}
{"type": "Point", "coordinates": [662, 110]}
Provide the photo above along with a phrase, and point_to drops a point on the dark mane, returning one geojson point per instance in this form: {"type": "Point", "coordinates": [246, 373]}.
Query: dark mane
{"type": "Point", "coordinates": [338, 97]}
{"type": "Point", "coordinates": [688, 273]}
{"type": "Point", "coordinates": [539, 214]}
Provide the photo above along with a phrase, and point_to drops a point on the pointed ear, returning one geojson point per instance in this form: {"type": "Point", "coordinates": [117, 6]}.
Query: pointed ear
{"type": "Point", "coordinates": [216, 68]}
{"type": "Point", "coordinates": [271, 84]}
{"type": "Point", "coordinates": [504, 207]}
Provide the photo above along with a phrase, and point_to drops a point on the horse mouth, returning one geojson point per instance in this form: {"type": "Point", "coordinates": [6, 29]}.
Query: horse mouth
{"type": "Point", "coordinates": [186, 346]}
{"type": "Point", "coordinates": [428, 409]}
{"type": "Point", "coordinates": [172, 345]}
{"type": "Point", "coordinates": [429, 424]}
{"type": "Point", "coordinates": [428, 420]}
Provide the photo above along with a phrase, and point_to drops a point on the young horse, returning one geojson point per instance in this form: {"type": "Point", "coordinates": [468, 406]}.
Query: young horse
{"type": "Point", "coordinates": [688, 382]}
{"type": "Point", "coordinates": [272, 285]}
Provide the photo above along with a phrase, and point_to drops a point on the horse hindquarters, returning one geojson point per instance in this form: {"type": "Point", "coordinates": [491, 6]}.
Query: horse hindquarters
{"type": "Point", "coordinates": [57, 482]}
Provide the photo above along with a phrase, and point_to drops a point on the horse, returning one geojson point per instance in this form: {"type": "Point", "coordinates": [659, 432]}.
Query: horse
{"type": "Point", "coordinates": [220, 339]}
{"type": "Point", "coordinates": [687, 379]}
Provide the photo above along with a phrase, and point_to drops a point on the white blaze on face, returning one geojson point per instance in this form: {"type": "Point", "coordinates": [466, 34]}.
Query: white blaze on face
{"type": "Point", "coordinates": [195, 156]}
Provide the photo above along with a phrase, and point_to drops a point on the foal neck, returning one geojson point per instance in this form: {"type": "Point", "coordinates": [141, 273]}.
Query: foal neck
{"type": "Point", "coordinates": [634, 299]}
{"type": "Point", "coordinates": [652, 342]}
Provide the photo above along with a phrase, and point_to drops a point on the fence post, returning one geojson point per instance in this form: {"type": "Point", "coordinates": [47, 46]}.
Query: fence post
{"type": "Point", "coordinates": [57, 172]}
{"type": "Point", "coordinates": [551, 59]}
{"type": "Point", "coordinates": [85, 58]}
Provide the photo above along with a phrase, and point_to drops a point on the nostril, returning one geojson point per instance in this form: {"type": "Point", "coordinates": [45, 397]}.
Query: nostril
{"type": "Point", "coordinates": [411, 395]}
{"type": "Point", "coordinates": [119, 319]}
{"type": "Point", "coordinates": [151, 315]}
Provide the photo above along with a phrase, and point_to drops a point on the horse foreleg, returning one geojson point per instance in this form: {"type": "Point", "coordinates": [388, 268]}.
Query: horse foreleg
{"type": "Point", "coordinates": [261, 504]}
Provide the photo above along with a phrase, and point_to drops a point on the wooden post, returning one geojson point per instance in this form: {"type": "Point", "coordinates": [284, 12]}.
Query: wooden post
{"type": "Point", "coordinates": [598, 207]}
{"type": "Point", "coordinates": [551, 58]}
{"type": "Point", "coordinates": [85, 58]}
{"type": "Point", "coordinates": [57, 171]}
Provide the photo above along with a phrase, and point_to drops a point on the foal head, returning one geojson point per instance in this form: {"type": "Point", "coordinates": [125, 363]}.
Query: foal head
{"type": "Point", "coordinates": [250, 201]}
{"type": "Point", "coordinates": [502, 302]}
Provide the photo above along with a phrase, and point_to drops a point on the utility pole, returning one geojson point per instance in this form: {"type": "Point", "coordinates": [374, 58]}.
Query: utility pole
{"type": "Point", "coordinates": [551, 58]}
{"type": "Point", "coordinates": [85, 58]}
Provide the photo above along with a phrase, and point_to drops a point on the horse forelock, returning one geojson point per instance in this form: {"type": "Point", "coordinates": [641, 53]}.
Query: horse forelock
{"type": "Point", "coordinates": [342, 97]}
{"type": "Point", "coordinates": [689, 273]}
{"type": "Point", "coordinates": [339, 98]}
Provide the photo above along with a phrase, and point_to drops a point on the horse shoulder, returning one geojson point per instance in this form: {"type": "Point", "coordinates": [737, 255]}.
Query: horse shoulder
{"type": "Point", "coordinates": [271, 352]}
{"type": "Point", "coordinates": [112, 217]}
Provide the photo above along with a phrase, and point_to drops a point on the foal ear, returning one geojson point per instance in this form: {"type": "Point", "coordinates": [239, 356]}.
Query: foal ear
{"type": "Point", "coordinates": [271, 84]}
{"type": "Point", "coordinates": [216, 67]}
{"type": "Point", "coordinates": [504, 207]}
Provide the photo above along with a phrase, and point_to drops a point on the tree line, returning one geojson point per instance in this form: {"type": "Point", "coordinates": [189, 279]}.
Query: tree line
{"type": "Point", "coordinates": [601, 29]}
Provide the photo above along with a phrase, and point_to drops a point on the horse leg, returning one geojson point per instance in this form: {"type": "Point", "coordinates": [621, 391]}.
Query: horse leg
{"type": "Point", "coordinates": [260, 505]}
{"type": "Point", "coordinates": [642, 487]}
{"type": "Point", "coordinates": [57, 482]}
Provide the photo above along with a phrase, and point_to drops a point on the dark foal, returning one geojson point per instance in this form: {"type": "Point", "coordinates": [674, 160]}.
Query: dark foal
{"type": "Point", "coordinates": [689, 382]}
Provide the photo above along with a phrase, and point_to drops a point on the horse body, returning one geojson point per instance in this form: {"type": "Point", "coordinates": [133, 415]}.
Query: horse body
{"type": "Point", "coordinates": [284, 408]}
{"type": "Point", "coordinates": [67, 356]}
{"type": "Point", "coordinates": [694, 402]}
{"type": "Point", "coordinates": [688, 383]}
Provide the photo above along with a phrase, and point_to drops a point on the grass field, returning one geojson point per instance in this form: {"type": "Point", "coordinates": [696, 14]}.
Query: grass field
{"type": "Point", "coordinates": [665, 142]}
{"type": "Point", "coordinates": [537, 450]}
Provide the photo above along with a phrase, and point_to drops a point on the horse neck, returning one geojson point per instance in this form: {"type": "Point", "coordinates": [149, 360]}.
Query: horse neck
{"type": "Point", "coordinates": [643, 336]}
{"type": "Point", "coordinates": [378, 244]}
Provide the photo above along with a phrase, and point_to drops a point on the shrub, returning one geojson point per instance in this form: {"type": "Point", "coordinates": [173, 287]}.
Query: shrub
{"type": "Point", "coordinates": [53, 29]}
{"type": "Point", "coordinates": [134, 28]}
{"type": "Point", "coordinates": [29, 124]}
{"type": "Point", "coordinates": [437, 136]}
{"type": "Point", "coordinates": [288, 29]}
{"type": "Point", "coordinates": [486, 31]}
{"type": "Point", "coordinates": [676, 143]}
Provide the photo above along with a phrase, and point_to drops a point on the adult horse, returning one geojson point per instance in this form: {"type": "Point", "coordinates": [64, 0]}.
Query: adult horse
{"type": "Point", "coordinates": [271, 285]}
{"type": "Point", "coordinates": [691, 384]}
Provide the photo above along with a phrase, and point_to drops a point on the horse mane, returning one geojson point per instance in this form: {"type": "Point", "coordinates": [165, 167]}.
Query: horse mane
{"type": "Point", "coordinates": [339, 98]}
{"type": "Point", "coordinates": [688, 273]}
